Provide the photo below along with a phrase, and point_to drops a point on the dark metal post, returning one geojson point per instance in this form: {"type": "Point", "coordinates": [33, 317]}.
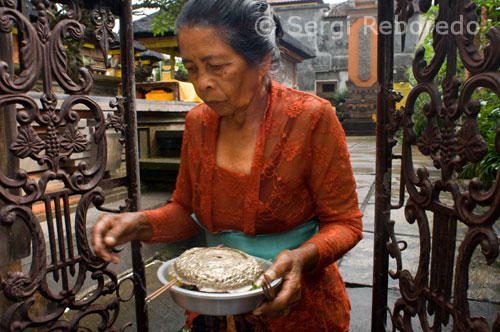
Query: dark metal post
{"type": "Point", "coordinates": [9, 112]}
{"type": "Point", "coordinates": [385, 54]}
{"type": "Point", "coordinates": [15, 242]}
{"type": "Point", "coordinates": [128, 83]}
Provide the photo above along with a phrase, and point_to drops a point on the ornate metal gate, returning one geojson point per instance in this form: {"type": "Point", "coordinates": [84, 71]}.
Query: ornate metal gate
{"type": "Point", "coordinates": [436, 295]}
{"type": "Point", "coordinates": [48, 133]}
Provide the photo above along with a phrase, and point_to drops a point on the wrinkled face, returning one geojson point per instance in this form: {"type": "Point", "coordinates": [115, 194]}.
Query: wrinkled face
{"type": "Point", "coordinates": [221, 77]}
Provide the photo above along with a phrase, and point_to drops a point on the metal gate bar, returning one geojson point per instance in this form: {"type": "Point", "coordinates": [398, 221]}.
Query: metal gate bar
{"type": "Point", "coordinates": [385, 64]}
{"type": "Point", "coordinates": [132, 154]}
{"type": "Point", "coordinates": [56, 138]}
{"type": "Point", "coordinates": [435, 296]}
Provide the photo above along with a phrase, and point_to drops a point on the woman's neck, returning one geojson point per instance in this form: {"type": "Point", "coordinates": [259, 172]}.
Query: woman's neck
{"type": "Point", "coordinates": [254, 112]}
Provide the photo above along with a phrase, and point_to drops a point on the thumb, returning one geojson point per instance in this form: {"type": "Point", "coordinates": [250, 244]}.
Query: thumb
{"type": "Point", "coordinates": [112, 238]}
{"type": "Point", "coordinates": [278, 269]}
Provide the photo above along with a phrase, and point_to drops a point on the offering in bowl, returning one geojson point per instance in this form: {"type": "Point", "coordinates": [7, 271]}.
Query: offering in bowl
{"type": "Point", "coordinates": [220, 289]}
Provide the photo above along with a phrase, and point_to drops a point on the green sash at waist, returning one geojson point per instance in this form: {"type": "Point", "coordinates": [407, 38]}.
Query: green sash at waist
{"type": "Point", "coordinates": [266, 246]}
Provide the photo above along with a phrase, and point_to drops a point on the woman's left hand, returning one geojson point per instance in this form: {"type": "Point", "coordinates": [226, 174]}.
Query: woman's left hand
{"type": "Point", "coordinates": [289, 265]}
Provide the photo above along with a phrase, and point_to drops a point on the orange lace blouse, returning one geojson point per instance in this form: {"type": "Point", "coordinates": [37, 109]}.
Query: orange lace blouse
{"type": "Point", "coordinates": [300, 169]}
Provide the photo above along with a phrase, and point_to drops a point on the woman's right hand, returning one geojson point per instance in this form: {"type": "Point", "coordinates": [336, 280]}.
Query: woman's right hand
{"type": "Point", "coordinates": [115, 229]}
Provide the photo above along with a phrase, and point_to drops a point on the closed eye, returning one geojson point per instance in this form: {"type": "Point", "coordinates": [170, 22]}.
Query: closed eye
{"type": "Point", "coordinates": [215, 67]}
{"type": "Point", "coordinates": [190, 69]}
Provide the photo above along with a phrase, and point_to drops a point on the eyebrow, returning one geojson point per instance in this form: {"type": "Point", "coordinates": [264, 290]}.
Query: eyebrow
{"type": "Point", "coordinates": [204, 59]}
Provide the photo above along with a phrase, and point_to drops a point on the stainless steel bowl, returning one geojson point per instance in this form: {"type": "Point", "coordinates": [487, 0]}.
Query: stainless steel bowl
{"type": "Point", "coordinates": [216, 304]}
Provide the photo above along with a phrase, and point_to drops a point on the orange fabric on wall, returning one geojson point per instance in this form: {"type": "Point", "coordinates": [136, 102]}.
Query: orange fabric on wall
{"type": "Point", "coordinates": [300, 169]}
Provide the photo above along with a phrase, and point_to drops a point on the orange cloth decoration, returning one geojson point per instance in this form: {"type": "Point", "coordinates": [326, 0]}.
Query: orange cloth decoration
{"type": "Point", "coordinates": [300, 169]}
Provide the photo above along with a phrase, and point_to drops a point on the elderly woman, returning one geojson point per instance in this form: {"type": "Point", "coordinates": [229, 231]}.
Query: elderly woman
{"type": "Point", "coordinates": [264, 169]}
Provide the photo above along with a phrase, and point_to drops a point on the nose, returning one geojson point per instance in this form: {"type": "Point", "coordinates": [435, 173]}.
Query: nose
{"type": "Point", "coordinates": [204, 81]}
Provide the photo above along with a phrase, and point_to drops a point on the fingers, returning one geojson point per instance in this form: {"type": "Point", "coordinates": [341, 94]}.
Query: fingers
{"type": "Point", "coordinates": [112, 230]}
{"type": "Point", "coordinates": [114, 236]}
{"type": "Point", "coordinates": [285, 266]}
{"type": "Point", "coordinates": [104, 237]}
{"type": "Point", "coordinates": [287, 297]}
{"type": "Point", "coordinates": [98, 231]}
{"type": "Point", "coordinates": [282, 264]}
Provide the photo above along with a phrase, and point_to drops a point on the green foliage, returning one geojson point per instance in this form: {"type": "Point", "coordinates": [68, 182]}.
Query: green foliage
{"type": "Point", "coordinates": [488, 121]}
{"type": "Point", "coordinates": [181, 73]}
{"type": "Point", "coordinates": [418, 117]}
{"type": "Point", "coordinates": [164, 20]}
{"type": "Point", "coordinates": [157, 71]}
{"type": "Point", "coordinates": [489, 117]}
{"type": "Point", "coordinates": [339, 103]}
{"type": "Point", "coordinates": [339, 97]}
{"type": "Point", "coordinates": [75, 58]}
{"type": "Point", "coordinates": [492, 8]}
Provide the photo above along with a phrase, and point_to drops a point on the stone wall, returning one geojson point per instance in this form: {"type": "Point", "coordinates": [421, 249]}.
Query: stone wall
{"type": "Point", "coordinates": [327, 36]}
{"type": "Point", "coordinates": [344, 38]}
{"type": "Point", "coordinates": [286, 72]}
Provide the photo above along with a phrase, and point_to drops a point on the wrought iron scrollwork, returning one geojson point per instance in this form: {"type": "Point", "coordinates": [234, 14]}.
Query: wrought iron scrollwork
{"type": "Point", "coordinates": [58, 59]}
{"type": "Point", "coordinates": [50, 135]}
{"type": "Point", "coordinates": [19, 285]}
{"type": "Point", "coordinates": [104, 22]}
{"type": "Point", "coordinates": [451, 138]}
{"type": "Point", "coordinates": [395, 116]}
{"type": "Point", "coordinates": [395, 250]}
{"type": "Point", "coordinates": [404, 11]}
{"type": "Point", "coordinates": [117, 122]}
{"type": "Point", "coordinates": [30, 51]}
{"type": "Point", "coordinates": [8, 3]}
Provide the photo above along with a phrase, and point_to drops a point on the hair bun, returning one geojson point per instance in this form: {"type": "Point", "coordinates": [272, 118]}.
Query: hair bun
{"type": "Point", "coordinates": [262, 6]}
{"type": "Point", "coordinates": [251, 27]}
{"type": "Point", "coordinates": [279, 28]}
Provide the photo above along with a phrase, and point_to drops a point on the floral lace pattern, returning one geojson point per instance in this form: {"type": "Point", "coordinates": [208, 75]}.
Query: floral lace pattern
{"type": "Point", "coordinates": [300, 169]}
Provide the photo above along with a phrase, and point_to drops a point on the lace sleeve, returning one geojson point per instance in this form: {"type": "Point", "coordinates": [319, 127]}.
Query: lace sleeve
{"type": "Point", "coordinates": [333, 188]}
{"type": "Point", "coordinates": [173, 221]}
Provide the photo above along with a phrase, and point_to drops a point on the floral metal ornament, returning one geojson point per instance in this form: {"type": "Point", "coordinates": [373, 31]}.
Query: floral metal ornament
{"type": "Point", "coordinates": [27, 143]}
{"type": "Point", "coordinates": [104, 22]}
{"type": "Point", "coordinates": [48, 132]}
{"type": "Point", "coordinates": [73, 140]}
{"type": "Point", "coordinates": [436, 294]}
{"type": "Point", "coordinates": [116, 121]}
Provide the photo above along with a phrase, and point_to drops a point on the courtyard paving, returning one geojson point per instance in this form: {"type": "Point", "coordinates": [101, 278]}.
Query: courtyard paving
{"type": "Point", "coordinates": [356, 266]}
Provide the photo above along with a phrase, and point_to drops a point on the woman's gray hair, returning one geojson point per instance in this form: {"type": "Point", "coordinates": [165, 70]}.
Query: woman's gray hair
{"type": "Point", "coordinates": [250, 27]}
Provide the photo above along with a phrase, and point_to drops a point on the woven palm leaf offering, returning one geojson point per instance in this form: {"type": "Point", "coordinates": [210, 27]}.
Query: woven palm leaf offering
{"type": "Point", "coordinates": [217, 270]}
{"type": "Point", "coordinates": [217, 281]}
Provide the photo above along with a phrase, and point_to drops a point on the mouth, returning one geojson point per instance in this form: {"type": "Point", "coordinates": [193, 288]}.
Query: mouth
{"type": "Point", "coordinates": [213, 104]}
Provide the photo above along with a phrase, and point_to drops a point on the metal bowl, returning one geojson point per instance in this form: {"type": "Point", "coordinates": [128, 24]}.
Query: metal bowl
{"type": "Point", "coordinates": [216, 304]}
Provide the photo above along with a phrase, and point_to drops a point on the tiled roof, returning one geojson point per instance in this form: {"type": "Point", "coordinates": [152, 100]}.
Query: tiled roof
{"type": "Point", "coordinates": [340, 9]}
{"type": "Point", "coordinates": [151, 55]}
{"type": "Point", "coordinates": [294, 45]}
{"type": "Point", "coordinates": [142, 26]}
{"type": "Point", "coordinates": [138, 47]}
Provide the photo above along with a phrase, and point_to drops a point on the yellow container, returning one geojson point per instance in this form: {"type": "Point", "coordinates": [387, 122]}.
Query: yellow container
{"type": "Point", "coordinates": [405, 89]}
{"type": "Point", "coordinates": [159, 95]}
{"type": "Point", "coordinates": [166, 76]}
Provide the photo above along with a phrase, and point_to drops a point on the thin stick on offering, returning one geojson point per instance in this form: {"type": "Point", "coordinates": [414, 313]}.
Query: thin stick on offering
{"type": "Point", "coordinates": [160, 290]}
